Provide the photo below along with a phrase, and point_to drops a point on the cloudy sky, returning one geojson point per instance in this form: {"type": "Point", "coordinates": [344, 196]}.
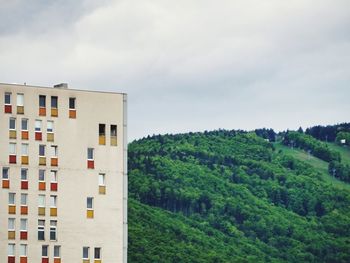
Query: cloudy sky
{"type": "Point", "coordinates": [189, 65]}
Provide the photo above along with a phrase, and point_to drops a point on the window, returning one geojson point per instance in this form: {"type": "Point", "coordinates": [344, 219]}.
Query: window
{"type": "Point", "coordinates": [12, 148]}
{"type": "Point", "coordinates": [24, 225]}
{"type": "Point", "coordinates": [41, 175]}
{"type": "Point", "coordinates": [53, 228]}
{"type": "Point", "coordinates": [89, 203]}
{"type": "Point", "coordinates": [23, 250]}
{"type": "Point", "coordinates": [45, 251]}
{"type": "Point", "coordinates": [53, 176]}
{"type": "Point", "coordinates": [42, 101]}
{"type": "Point", "coordinates": [54, 150]}
{"type": "Point", "coordinates": [41, 233]}
{"type": "Point", "coordinates": [41, 150]}
{"type": "Point", "coordinates": [12, 198]}
{"type": "Point", "coordinates": [24, 125]}
{"type": "Point", "coordinates": [102, 129]}
{"type": "Point", "coordinates": [25, 149]}
{"type": "Point", "coordinates": [72, 103]}
{"type": "Point", "coordinates": [38, 125]}
{"type": "Point", "coordinates": [12, 124]}
{"type": "Point", "coordinates": [5, 173]}
{"type": "Point", "coordinates": [101, 179]}
{"type": "Point", "coordinates": [11, 249]}
{"type": "Point", "coordinates": [54, 102]}
{"type": "Point", "coordinates": [49, 126]}
{"type": "Point", "coordinates": [41, 200]}
{"type": "Point", "coordinates": [97, 253]}
{"type": "Point", "coordinates": [53, 201]}
{"type": "Point", "coordinates": [86, 253]}
{"type": "Point", "coordinates": [11, 224]}
{"type": "Point", "coordinates": [113, 130]}
{"type": "Point", "coordinates": [24, 199]}
{"type": "Point", "coordinates": [7, 98]}
{"type": "Point", "coordinates": [24, 174]}
{"type": "Point", "coordinates": [20, 99]}
{"type": "Point", "coordinates": [56, 251]}
{"type": "Point", "coordinates": [90, 153]}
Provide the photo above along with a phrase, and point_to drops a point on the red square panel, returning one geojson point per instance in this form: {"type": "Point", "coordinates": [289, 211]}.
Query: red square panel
{"type": "Point", "coordinates": [11, 259]}
{"type": "Point", "coordinates": [8, 109]}
{"type": "Point", "coordinates": [24, 185]}
{"type": "Point", "coordinates": [12, 159]}
{"type": "Point", "coordinates": [24, 235]}
{"type": "Point", "coordinates": [44, 260]}
{"type": "Point", "coordinates": [38, 136]}
{"type": "Point", "coordinates": [91, 164]}
{"type": "Point", "coordinates": [54, 186]}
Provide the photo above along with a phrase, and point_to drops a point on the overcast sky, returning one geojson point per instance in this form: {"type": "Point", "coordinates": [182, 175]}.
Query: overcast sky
{"type": "Point", "coordinates": [189, 65]}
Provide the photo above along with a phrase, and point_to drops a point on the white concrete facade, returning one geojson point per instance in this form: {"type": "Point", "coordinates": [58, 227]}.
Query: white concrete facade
{"type": "Point", "coordinates": [107, 230]}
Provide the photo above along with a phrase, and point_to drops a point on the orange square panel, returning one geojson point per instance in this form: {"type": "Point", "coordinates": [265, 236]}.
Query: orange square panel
{"type": "Point", "coordinates": [42, 186]}
{"type": "Point", "coordinates": [56, 260]}
{"type": "Point", "coordinates": [23, 260]}
{"type": "Point", "coordinates": [72, 114]}
{"type": "Point", "coordinates": [6, 184]}
{"type": "Point", "coordinates": [42, 111]}
{"type": "Point", "coordinates": [24, 210]}
{"type": "Point", "coordinates": [54, 161]}
{"type": "Point", "coordinates": [25, 135]}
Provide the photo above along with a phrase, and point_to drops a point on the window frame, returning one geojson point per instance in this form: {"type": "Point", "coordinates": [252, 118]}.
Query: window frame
{"type": "Point", "coordinates": [24, 199]}
{"type": "Point", "coordinates": [90, 150]}
{"type": "Point", "coordinates": [24, 173]}
{"type": "Point", "coordinates": [40, 101]}
{"type": "Point", "coordinates": [53, 230]}
{"type": "Point", "coordinates": [87, 250]}
{"type": "Point", "coordinates": [26, 121]}
{"type": "Point", "coordinates": [20, 102]}
{"type": "Point", "coordinates": [11, 224]}
{"type": "Point", "coordinates": [12, 120]}
{"type": "Point", "coordinates": [41, 229]}
{"type": "Point", "coordinates": [74, 103]}
{"type": "Point", "coordinates": [9, 94]}
{"type": "Point", "coordinates": [7, 173]}
{"type": "Point", "coordinates": [38, 128]}
{"type": "Point", "coordinates": [13, 249]}
{"type": "Point", "coordinates": [51, 129]}
{"type": "Point", "coordinates": [92, 203]}
{"type": "Point", "coordinates": [12, 198]}
{"type": "Point", "coordinates": [54, 100]}
{"type": "Point", "coordinates": [99, 253]}
{"type": "Point", "coordinates": [13, 148]}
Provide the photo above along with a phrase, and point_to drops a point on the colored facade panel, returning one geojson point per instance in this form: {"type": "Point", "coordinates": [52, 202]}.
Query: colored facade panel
{"type": "Point", "coordinates": [24, 210]}
{"type": "Point", "coordinates": [25, 160]}
{"type": "Point", "coordinates": [42, 111]}
{"type": "Point", "coordinates": [90, 164]}
{"type": "Point", "coordinates": [12, 209]}
{"type": "Point", "coordinates": [23, 235]}
{"type": "Point", "coordinates": [72, 114]}
{"type": "Point", "coordinates": [11, 259]}
{"type": "Point", "coordinates": [42, 186]}
{"type": "Point", "coordinates": [54, 161]}
{"type": "Point", "coordinates": [114, 141]}
{"type": "Point", "coordinates": [8, 109]}
{"type": "Point", "coordinates": [41, 211]}
{"type": "Point", "coordinates": [42, 160]}
{"type": "Point", "coordinates": [102, 190]}
{"type": "Point", "coordinates": [20, 110]}
{"type": "Point", "coordinates": [53, 211]}
{"type": "Point", "coordinates": [12, 134]}
{"type": "Point", "coordinates": [54, 112]}
{"type": "Point", "coordinates": [102, 140]}
{"type": "Point", "coordinates": [38, 136]}
{"type": "Point", "coordinates": [23, 260]}
{"type": "Point", "coordinates": [24, 185]}
{"type": "Point", "coordinates": [11, 235]}
{"type": "Point", "coordinates": [6, 184]}
{"type": "Point", "coordinates": [50, 137]}
{"type": "Point", "coordinates": [25, 135]}
{"type": "Point", "coordinates": [90, 213]}
{"type": "Point", "coordinates": [12, 159]}
{"type": "Point", "coordinates": [53, 186]}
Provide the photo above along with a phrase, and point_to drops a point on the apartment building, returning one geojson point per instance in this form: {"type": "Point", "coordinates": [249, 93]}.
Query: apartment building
{"type": "Point", "coordinates": [63, 168]}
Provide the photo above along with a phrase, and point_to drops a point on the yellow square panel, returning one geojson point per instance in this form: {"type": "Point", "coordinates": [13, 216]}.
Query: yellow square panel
{"type": "Point", "coordinates": [53, 211]}
{"type": "Point", "coordinates": [90, 213]}
{"type": "Point", "coordinates": [13, 134]}
{"type": "Point", "coordinates": [20, 110]}
{"type": "Point", "coordinates": [102, 190]}
{"type": "Point", "coordinates": [41, 211]}
{"type": "Point", "coordinates": [114, 141]}
{"type": "Point", "coordinates": [97, 261]}
{"type": "Point", "coordinates": [50, 137]}
{"type": "Point", "coordinates": [86, 261]}
{"type": "Point", "coordinates": [25, 159]}
{"type": "Point", "coordinates": [11, 235]}
{"type": "Point", "coordinates": [102, 140]}
{"type": "Point", "coordinates": [54, 112]}
{"type": "Point", "coordinates": [42, 160]}
{"type": "Point", "coordinates": [12, 209]}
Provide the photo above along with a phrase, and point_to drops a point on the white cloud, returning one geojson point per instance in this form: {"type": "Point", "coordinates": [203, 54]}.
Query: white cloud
{"type": "Point", "coordinates": [190, 65]}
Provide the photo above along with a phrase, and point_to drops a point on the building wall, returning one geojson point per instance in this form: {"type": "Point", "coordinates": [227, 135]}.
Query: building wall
{"type": "Point", "coordinates": [75, 181]}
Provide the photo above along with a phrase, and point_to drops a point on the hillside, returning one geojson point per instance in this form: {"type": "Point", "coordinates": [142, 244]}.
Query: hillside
{"type": "Point", "coordinates": [228, 196]}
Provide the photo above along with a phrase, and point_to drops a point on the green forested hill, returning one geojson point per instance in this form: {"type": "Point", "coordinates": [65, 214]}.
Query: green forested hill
{"type": "Point", "coordinates": [228, 196]}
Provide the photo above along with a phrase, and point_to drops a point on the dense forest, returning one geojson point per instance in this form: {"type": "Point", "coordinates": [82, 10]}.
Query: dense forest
{"type": "Point", "coordinates": [232, 196]}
